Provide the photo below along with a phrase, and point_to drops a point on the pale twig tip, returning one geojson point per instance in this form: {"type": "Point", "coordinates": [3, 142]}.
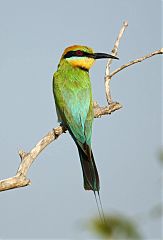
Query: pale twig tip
{"type": "Point", "coordinates": [125, 23]}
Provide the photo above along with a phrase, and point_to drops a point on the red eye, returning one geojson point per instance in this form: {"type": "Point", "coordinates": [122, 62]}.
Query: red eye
{"type": "Point", "coordinates": [79, 53]}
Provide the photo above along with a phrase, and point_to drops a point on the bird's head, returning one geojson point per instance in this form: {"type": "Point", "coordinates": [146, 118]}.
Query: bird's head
{"type": "Point", "coordinates": [82, 56]}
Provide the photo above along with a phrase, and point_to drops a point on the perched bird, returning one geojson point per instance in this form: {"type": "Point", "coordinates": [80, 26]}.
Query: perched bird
{"type": "Point", "coordinates": [74, 104]}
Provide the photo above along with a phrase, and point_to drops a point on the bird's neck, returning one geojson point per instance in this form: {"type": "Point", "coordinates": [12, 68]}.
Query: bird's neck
{"type": "Point", "coordinates": [77, 63]}
{"type": "Point", "coordinates": [68, 68]}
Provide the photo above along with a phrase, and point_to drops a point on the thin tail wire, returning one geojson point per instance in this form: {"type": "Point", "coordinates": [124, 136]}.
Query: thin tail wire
{"type": "Point", "coordinates": [97, 206]}
{"type": "Point", "coordinates": [102, 211]}
{"type": "Point", "coordinates": [100, 207]}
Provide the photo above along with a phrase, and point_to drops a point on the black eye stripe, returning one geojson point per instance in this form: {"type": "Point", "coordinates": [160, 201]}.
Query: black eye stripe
{"type": "Point", "coordinates": [77, 53]}
{"type": "Point", "coordinates": [69, 54]}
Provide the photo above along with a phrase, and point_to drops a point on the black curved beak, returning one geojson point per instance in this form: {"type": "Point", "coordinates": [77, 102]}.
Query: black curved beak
{"type": "Point", "coordinates": [103, 55]}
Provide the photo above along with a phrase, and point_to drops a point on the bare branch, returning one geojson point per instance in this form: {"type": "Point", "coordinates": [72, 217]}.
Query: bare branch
{"type": "Point", "coordinates": [114, 53]}
{"type": "Point", "coordinates": [136, 61]}
{"type": "Point", "coordinates": [20, 180]}
{"type": "Point", "coordinates": [29, 158]}
{"type": "Point", "coordinates": [101, 111]}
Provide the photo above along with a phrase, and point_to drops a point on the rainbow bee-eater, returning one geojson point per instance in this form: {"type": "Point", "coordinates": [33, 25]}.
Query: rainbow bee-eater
{"type": "Point", "coordinates": [74, 104]}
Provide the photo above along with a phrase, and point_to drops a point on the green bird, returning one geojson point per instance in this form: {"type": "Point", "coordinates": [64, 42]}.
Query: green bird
{"type": "Point", "coordinates": [74, 105]}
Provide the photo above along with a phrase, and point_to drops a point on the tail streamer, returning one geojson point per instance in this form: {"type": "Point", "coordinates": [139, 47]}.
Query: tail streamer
{"type": "Point", "coordinates": [100, 207]}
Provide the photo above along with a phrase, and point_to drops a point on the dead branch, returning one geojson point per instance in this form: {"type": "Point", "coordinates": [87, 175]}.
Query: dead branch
{"type": "Point", "coordinates": [20, 179]}
{"type": "Point", "coordinates": [114, 53]}
{"type": "Point", "coordinates": [160, 51]}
